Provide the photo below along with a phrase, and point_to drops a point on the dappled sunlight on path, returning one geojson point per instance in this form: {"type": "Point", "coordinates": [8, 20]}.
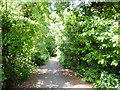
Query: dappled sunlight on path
{"type": "Point", "coordinates": [52, 75]}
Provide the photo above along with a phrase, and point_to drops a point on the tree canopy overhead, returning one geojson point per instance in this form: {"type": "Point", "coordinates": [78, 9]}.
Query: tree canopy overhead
{"type": "Point", "coordinates": [83, 35]}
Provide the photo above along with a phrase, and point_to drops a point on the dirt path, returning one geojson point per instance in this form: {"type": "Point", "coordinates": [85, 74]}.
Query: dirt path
{"type": "Point", "coordinates": [53, 76]}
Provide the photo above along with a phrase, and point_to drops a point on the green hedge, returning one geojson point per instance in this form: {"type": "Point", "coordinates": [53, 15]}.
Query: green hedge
{"type": "Point", "coordinates": [91, 44]}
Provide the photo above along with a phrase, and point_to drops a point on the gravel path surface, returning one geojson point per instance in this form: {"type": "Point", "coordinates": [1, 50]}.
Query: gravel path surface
{"type": "Point", "coordinates": [52, 75]}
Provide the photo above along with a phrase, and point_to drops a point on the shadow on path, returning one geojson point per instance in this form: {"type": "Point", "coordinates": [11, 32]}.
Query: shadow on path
{"type": "Point", "coordinates": [52, 75]}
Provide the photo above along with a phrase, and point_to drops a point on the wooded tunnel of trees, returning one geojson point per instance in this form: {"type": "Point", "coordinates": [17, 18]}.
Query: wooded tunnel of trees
{"type": "Point", "coordinates": [83, 36]}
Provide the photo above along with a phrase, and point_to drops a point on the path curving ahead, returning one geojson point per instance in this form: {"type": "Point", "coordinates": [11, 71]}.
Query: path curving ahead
{"type": "Point", "coordinates": [52, 75]}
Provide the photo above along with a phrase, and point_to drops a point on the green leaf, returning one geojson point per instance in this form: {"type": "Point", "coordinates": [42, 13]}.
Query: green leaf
{"type": "Point", "coordinates": [114, 62]}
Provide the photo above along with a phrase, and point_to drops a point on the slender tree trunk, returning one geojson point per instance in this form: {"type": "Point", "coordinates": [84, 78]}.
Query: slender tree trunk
{"type": "Point", "coordinates": [6, 4]}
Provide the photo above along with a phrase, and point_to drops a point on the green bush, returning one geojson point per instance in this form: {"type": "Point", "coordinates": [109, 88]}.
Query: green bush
{"type": "Point", "coordinates": [107, 81]}
{"type": "Point", "coordinates": [39, 59]}
{"type": "Point", "coordinates": [24, 39]}
{"type": "Point", "coordinates": [88, 43]}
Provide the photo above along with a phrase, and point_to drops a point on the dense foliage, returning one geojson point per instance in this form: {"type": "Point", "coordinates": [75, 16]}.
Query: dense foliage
{"type": "Point", "coordinates": [89, 42]}
{"type": "Point", "coordinates": [25, 35]}
{"type": "Point", "coordinates": [84, 35]}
